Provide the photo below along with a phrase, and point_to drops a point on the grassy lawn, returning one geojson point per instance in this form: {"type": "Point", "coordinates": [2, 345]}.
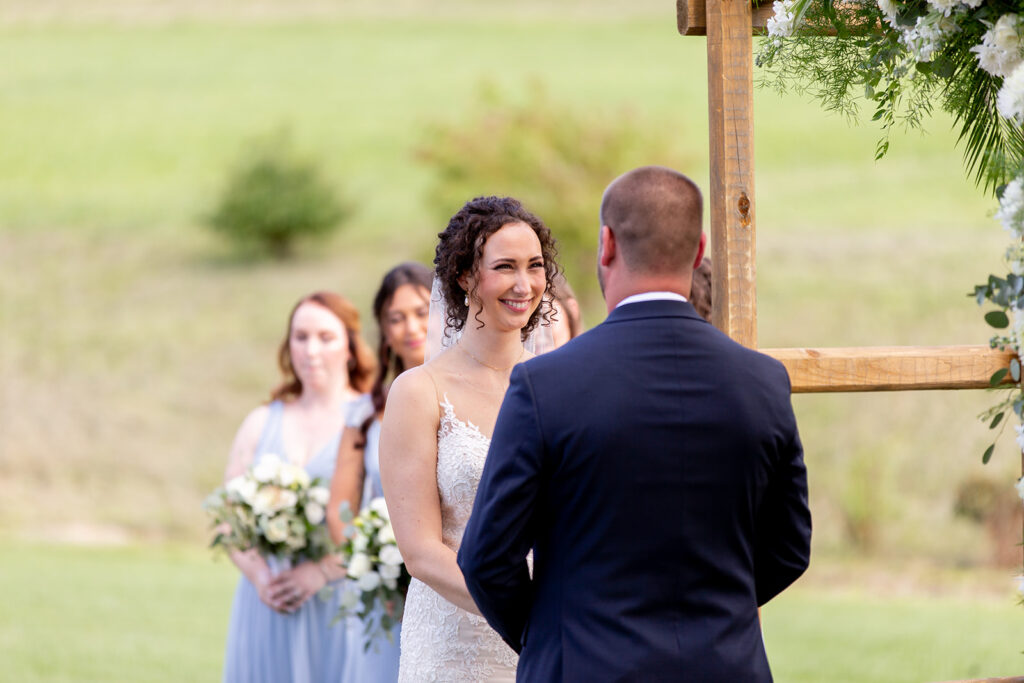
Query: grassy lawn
{"type": "Point", "coordinates": [159, 613]}
{"type": "Point", "coordinates": [134, 342]}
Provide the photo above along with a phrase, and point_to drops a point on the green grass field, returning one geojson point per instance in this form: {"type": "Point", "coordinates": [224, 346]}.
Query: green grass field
{"type": "Point", "coordinates": [158, 614]}
{"type": "Point", "coordinates": [133, 342]}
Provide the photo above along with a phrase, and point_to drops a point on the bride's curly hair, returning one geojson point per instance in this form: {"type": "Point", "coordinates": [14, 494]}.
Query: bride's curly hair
{"type": "Point", "coordinates": [461, 245]}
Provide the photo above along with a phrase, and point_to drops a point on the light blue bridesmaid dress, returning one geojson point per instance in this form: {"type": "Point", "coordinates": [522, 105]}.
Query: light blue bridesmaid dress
{"type": "Point", "coordinates": [379, 664]}
{"type": "Point", "coordinates": [265, 646]}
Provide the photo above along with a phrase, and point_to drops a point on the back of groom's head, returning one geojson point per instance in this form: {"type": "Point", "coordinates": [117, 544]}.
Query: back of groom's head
{"type": "Point", "coordinates": [655, 214]}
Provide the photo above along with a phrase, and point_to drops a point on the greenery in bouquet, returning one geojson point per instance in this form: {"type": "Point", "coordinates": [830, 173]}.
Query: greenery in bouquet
{"type": "Point", "coordinates": [273, 508]}
{"type": "Point", "coordinates": [375, 564]}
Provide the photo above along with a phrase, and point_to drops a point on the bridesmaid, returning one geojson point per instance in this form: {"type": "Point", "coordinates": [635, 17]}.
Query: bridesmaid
{"type": "Point", "coordinates": [401, 308]}
{"type": "Point", "coordinates": [279, 632]}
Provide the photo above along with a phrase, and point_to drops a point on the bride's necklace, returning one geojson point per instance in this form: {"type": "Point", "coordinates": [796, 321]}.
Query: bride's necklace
{"type": "Point", "coordinates": [488, 365]}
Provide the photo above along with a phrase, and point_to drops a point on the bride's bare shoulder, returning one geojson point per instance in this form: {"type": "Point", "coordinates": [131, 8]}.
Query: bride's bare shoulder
{"type": "Point", "coordinates": [420, 384]}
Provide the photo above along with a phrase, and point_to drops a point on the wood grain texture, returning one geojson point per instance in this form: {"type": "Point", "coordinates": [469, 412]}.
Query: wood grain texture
{"type": "Point", "coordinates": [731, 195]}
{"type": "Point", "coordinates": [890, 368]}
{"type": "Point", "coordinates": [691, 17]}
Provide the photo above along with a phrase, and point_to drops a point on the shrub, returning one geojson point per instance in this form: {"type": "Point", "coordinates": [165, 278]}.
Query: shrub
{"type": "Point", "coordinates": [274, 197]}
{"type": "Point", "coordinates": [557, 161]}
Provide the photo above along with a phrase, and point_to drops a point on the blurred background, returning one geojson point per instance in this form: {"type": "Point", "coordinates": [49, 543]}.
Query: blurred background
{"type": "Point", "coordinates": [139, 316]}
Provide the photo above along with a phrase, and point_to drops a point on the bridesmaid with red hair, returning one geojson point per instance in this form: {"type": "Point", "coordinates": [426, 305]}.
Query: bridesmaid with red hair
{"type": "Point", "coordinates": [279, 631]}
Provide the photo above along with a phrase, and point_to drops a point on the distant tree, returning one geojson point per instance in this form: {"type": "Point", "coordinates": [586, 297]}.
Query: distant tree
{"type": "Point", "coordinates": [275, 197]}
{"type": "Point", "coordinates": [556, 160]}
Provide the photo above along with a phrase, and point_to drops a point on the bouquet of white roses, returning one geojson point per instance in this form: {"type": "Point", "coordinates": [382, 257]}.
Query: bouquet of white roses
{"type": "Point", "coordinates": [273, 508]}
{"type": "Point", "coordinates": [375, 564]}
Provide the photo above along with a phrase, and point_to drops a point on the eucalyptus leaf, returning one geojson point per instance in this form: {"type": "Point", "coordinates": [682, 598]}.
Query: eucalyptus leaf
{"type": "Point", "coordinates": [1015, 370]}
{"type": "Point", "coordinates": [988, 454]}
{"type": "Point", "coordinates": [997, 319]}
{"type": "Point", "coordinates": [996, 420]}
{"type": "Point", "coordinates": [997, 377]}
{"type": "Point", "coordinates": [345, 512]}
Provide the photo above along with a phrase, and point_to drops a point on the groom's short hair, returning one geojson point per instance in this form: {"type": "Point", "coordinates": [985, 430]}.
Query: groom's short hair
{"type": "Point", "coordinates": [656, 216]}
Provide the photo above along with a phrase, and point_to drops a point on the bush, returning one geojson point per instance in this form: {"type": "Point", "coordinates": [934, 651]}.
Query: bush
{"type": "Point", "coordinates": [274, 198]}
{"type": "Point", "coordinates": [555, 160]}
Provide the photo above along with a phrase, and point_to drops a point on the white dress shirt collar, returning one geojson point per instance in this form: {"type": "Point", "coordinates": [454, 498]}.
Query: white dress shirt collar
{"type": "Point", "coordinates": [651, 296]}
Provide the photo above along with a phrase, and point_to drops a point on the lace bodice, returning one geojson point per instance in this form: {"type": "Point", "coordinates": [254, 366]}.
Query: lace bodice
{"type": "Point", "coordinates": [441, 642]}
{"type": "Point", "coordinates": [461, 452]}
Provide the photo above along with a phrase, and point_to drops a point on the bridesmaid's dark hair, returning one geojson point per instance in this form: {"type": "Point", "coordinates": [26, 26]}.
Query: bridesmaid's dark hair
{"type": "Point", "coordinates": [461, 245]}
{"type": "Point", "coordinates": [389, 363]}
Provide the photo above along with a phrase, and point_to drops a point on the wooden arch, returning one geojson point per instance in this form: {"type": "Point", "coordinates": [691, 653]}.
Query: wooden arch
{"type": "Point", "coordinates": [729, 26]}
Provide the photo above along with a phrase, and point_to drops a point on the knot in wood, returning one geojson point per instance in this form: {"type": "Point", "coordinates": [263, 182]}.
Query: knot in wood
{"type": "Point", "coordinates": [744, 207]}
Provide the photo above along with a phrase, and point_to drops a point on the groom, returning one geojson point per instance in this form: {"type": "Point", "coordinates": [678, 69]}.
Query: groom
{"type": "Point", "coordinates": [654, 467]}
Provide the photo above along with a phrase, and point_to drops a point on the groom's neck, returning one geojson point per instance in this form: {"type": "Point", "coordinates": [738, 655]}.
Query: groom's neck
{"type": "Point", "coordinates": [630, 284]}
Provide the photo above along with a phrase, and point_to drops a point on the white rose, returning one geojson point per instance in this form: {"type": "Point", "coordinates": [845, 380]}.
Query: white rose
{"type": "Point", "coordinates": [388, 571]}
{"type": "Point", "coordinates": [296, 542]}
{"type": "Point", "coordinates": [272, 499]}
{"type": "Point", "coordinates": [358, 565]}
{"type": "Point", "coordinates": [360, 543]}
{"type": "Point", "coordinates": [1010, 100]}
{"type": "Point", "coordinates": [275, 529]}
{"type": "Point", "coordinates": [368, 581]}
{"type": "Point", "coordinates": [314, 513]}
{"type": "Point", "coordinates": [391, 584]}
{"type": "Point", "coordinates": [267, 469]}
{"type": "Point", "coordinates": [889, 9]}
{"type": "Point", "coordinates": [1004, 33]}
{"type": "Point", "coordinates": [380, 506]}
{"type": "Point", "coordinates": [391, 555]}
{"type": "Point", "coordinates": [238, 485]}
{"type": "Point", "coordinates": [319, 495]}
{"type": "Point", "coordinates": [386, 534]}
{"type": "Point", "coordinates": [287, 474]}
{"type": "Point", "coordinates": [1020, 487]}
{"type": "Point", "coordinates": [262, 502]}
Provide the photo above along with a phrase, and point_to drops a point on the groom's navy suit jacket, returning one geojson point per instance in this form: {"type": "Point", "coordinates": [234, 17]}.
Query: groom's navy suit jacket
{"type": "Point", "coordinates": [654, 467]}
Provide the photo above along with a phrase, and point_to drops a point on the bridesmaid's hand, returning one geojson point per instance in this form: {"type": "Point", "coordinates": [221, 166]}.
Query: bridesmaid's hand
{"type": "Point", "coordinates": [290, 589]}
{"type": "Point", "coordinates": [262, 583]}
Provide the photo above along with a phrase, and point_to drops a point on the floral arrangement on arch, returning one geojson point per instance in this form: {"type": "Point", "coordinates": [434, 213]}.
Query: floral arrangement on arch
{"type": "Point", "coordinates": [906, 57]}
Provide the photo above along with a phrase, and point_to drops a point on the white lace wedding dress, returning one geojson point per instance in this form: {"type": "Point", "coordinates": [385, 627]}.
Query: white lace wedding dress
{"type": "Point", "coordinates": [441, 642]}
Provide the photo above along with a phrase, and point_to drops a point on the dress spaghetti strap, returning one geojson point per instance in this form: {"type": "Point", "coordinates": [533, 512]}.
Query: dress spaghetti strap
{"type": "Point", "coordinates": [437, 392]}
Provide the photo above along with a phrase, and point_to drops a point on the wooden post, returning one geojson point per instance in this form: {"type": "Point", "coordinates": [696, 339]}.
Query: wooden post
{"type": "Point", "coordinates": [731, 197]}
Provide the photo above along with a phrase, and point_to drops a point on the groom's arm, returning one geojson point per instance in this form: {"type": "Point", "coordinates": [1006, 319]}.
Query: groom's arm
{"type": "Point", "coordinates": [782, 548]}
{"type": "Point", "coordinates": [500, 531]}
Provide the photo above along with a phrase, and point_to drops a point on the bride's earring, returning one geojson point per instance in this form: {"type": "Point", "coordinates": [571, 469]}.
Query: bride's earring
{"type": "Point", "coordinates": [466, 301]}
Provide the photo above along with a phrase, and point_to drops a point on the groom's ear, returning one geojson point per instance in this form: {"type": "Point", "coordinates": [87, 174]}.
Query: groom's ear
{"type": "Point", "coordinates": [700, 250]}
{"type": "Point", "coordinates": [607, 243]}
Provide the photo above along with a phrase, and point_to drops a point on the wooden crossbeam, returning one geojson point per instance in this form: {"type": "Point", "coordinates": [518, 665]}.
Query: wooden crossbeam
{"type": "Point", "coordinates": [691, 17]}
{"type": "Point", "coordinates": [890, 368]}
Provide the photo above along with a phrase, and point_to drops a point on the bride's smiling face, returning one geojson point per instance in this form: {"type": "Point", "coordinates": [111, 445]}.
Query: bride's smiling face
{"type": "Point", "coordinates": [508, 280]}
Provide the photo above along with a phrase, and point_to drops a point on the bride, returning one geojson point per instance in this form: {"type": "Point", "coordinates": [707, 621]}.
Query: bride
{"type": "Point", "coordinates": [494, 264]}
